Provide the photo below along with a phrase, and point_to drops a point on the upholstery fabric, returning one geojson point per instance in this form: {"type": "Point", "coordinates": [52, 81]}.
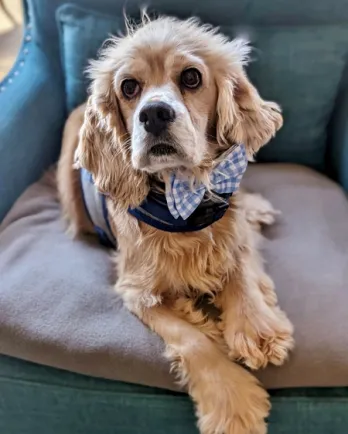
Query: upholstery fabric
{"type": "Point", "coordinates": [31, 119]}
{"type": "Point", "coordinates": [300, 67]}
{"type": "Point", "coordinates": [81, 35]}
{"type": "Point", "coordinates": [41, 400]}
{"type": "Point", "coordinates": [337, 153]}
{"type": "Point", "coordinates": [57, 305]}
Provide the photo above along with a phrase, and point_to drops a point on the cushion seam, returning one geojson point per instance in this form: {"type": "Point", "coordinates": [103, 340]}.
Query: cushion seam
{"type": "Point", "coordinates": [92, 390]}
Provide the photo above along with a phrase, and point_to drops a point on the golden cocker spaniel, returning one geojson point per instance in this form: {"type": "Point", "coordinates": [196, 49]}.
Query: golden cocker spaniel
{"type": "Point", "coordinates": [173, 97]}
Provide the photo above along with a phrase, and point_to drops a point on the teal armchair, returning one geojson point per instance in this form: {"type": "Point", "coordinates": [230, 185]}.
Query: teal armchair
{"type": "Point", "coordinates": [49, 386]}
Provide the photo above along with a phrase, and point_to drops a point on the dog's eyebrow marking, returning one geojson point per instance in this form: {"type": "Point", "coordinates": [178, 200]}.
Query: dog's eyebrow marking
{"type": "Point", "coordinates": [127, 71]}
{"type": "Point", "coordinates": [190, 59]}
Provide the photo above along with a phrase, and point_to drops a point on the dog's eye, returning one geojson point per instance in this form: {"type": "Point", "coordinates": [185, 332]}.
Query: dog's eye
{"type": "Point", "coordinates": [130, 88]}
{"type": "Point", "coordinates": [191, 78]}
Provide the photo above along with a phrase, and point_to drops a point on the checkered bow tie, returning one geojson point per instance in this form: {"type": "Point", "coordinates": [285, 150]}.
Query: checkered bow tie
{"type": "Point", "coordinates": [183, 199]}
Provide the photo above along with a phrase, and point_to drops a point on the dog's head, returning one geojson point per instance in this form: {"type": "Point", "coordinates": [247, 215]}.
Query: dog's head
{"type": "Point", "coordinates": [170, 95]}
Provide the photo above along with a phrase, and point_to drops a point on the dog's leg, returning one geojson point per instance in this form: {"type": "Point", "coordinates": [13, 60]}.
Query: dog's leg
{"type": "Point", "coordinates": [258, 212]}
{"type": "Point", "coordinates": [256, 331]}
{"type": "Point", "coordinates": [186, 309]}
{"type": "Point", "coordinates": [257, 209]}
{"type": "Point", "coordinates": [228, 399]}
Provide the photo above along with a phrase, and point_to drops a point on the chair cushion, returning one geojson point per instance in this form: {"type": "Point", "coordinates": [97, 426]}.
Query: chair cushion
{"type": "Point", "coordinates": [298, 66]}
{"type": "Point", "coordinates": [58, 308]}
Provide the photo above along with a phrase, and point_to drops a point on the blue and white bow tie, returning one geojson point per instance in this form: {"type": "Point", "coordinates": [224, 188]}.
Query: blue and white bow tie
{"type": "Point", "coordinates": [183, 199]}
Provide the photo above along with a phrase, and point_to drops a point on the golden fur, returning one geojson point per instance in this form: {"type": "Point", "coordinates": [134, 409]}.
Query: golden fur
{"type": "Point", "coordinates": [160, 274]}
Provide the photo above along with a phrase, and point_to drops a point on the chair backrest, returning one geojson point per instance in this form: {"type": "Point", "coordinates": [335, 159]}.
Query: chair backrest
{"type": "Point", "coordinates": [302, 45]}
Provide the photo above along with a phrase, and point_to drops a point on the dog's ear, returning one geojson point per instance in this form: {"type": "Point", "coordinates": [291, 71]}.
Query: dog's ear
{"type": "Point", "coordinates": [243, 116]}
{"type": "Point", "coordinates": [104, 147]}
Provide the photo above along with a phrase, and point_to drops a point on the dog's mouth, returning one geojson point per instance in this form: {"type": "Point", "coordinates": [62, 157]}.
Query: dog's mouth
{"type": "Point", "coordinates": [160, 155]}
{"type": "Point", "coordinates": [162, 150]}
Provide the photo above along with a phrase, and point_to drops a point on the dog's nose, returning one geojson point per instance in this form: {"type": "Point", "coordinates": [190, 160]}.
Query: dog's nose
{"type": "Point", "coordinates": [156, 116]}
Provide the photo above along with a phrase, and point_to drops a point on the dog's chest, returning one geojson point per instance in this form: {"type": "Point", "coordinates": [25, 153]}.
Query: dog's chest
{"type": "Point", "coordinates": [174, 265]}
{"type": "Point", "coordinates": [193, 267]}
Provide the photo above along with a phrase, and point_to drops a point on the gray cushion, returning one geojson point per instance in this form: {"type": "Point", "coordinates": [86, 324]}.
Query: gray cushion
{"type": "Point", "coordinates": [57, 306]}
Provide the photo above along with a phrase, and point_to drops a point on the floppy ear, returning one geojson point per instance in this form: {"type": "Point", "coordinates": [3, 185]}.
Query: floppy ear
{"type": "Point", "coordinates": [104, 148]}
{"type": "Point", "coordinates": [243, 116]}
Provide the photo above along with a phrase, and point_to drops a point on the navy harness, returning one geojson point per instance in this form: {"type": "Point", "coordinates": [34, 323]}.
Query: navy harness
{"type": "Point", "coordinates": [153, 211]}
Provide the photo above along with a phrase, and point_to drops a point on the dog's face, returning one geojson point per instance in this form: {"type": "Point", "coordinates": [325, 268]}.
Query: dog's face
{"type": "Point", "coordinates": [171, 94]}
{"type": "Point", "coordinates": [168, 99]}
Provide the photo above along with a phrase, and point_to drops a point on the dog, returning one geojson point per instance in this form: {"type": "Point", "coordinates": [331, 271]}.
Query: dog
{"type": "Point", "coordinates": [170, 102]}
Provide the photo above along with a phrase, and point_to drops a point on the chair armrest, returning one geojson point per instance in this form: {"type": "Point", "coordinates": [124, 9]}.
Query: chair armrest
{"type": "Point", "coordinates": [32, 114]}
{"type": "Point", "coordinates": [338, 149]}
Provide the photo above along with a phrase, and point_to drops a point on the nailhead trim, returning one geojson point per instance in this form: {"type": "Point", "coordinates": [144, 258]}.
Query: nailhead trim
{"type": "Point", "coordinates": [27, 39]}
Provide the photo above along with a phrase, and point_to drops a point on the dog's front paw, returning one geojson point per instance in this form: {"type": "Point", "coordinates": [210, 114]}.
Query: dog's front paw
{"type": "Point", "coordinates": [276, 346]}
{"type": "Point", "coordinates": [231, 402]}
{"type": "Point", "coordinates": [257, 341]}
{"type": "Point", "coordinates": [245, 347]}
